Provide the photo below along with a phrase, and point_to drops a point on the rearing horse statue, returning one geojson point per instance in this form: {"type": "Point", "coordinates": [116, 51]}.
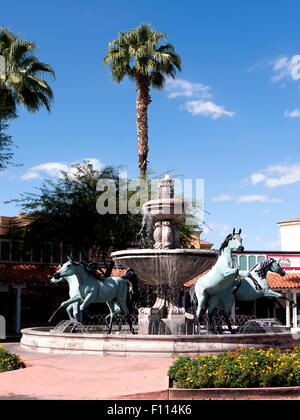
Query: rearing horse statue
{"type": "Point", "coordinates": [86, 289]}
{"type": "Point", "coordinates": [220, 277]}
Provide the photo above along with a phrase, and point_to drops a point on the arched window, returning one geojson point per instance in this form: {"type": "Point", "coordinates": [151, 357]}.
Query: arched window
{"type": "Point", "coordinates": [252, 262]}
{"type": "Point", "coordinates": [235, 259]}
{"type": "Point", "coordinates": [243, 262]}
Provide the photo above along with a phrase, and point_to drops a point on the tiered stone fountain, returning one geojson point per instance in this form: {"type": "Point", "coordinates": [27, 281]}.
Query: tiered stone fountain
{"type": "Point", "coordinates": [166, 267]}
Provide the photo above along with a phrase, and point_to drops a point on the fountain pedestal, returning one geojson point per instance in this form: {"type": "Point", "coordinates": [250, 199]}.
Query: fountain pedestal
{"type": "Point", "coordinates": [166, 316]}
{"type": "Point", "coordinates": [166, 267]}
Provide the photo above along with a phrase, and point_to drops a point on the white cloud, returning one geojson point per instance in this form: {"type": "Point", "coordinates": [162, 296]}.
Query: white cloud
{"type": "Point", "coordinates": [208, 109]}
{"type": "Point", "coordinates": [50, 168]}
{"type": "Point", "coordinates": [199, 106]}
{"type": "Point", "coordinates": [256, 178]}
{"type": "Point", "coordinates": [223, 197]}
{"type": "Point", "coordinates": [278, 175]}
{"type": "Point", "coordinates": [258, 197]}
{"type": "Point", "coordinates": [252, 197]}
{"type": "Point", "coordinates": [247, 198]}
{"type": "Point", "coordinates": [285, 68]}
{"type": "Point", "coordinates": [181, 87]}
{"type": "Point", "coordinates": [54, 169]}
{"type": "Point", "coordinates": [292, 114]}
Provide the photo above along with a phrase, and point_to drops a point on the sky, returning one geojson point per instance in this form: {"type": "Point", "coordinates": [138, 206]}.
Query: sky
{"type": "Point", "coordinates": [231, 117]}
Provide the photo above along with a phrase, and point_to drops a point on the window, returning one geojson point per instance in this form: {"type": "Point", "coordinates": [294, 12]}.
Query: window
{"type": "Point", "coordinates": [243, 262]}
{"type": "Point", "coordinates": [47, 253]}
{"type": "Point", "coordinates": [16, 251]}
{"type": "Point", "coordinates": [36, 254]}
{"type": "Point", "coordinates": [5, 251]}
{"type": "Point", "coordinates": [252, 262]}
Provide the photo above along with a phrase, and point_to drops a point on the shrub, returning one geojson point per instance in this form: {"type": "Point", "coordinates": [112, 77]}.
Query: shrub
{"type": "Point", "coordinates": [242, 368]}
{"type": "Point", "coordinates": [9, 361]}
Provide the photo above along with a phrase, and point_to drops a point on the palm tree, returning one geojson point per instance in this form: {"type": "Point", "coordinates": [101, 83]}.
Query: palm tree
{"type": "Point", "coordinates": [21, 82]}
{"type": "Point", "coordinates": [140, 55]}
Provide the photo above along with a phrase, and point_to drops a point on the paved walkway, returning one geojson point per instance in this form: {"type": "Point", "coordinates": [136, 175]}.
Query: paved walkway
{"type": "Point", "coordinates": [55, 376]}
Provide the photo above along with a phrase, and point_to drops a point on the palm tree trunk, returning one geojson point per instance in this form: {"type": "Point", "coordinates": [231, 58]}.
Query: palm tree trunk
{"type": "Point", "coordinates": [142, 101]}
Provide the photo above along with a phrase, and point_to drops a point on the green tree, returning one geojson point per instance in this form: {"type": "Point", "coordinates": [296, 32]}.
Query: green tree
{"type": "Point", "coordinates": [6, 144]}
{"type": "Point", "coordinates": [21, 81]}
{"type": "Point", "coordinates": [141, 56]}
{"type": "Point", "coordinates": [64, 211]}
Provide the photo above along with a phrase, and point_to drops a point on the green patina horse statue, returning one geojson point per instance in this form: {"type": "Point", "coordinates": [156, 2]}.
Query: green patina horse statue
{"type": "Point", "coordinates": [220, 277]}
{"type": "Point", "coordinates": [85, 288]}
{"type": "Point", "coordinates": [254, 285]}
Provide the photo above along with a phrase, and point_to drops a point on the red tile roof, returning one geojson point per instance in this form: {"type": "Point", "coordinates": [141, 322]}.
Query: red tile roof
{"type": "Point", "coordinates": [288, 221]}
{"type": "Point", "coordinates": [289, 281]}
{"type": "Point", "coordinates": [32, 274]}
{"type": "Point", "coordinates": [37, 274]}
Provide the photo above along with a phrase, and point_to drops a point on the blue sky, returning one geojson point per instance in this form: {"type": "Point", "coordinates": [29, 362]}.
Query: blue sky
{"type": "Point", "coordinates": [232, 116]}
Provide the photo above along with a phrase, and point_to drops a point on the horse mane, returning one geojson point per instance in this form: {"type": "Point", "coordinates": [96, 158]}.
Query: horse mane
{"type": "Point", "coordinates": [225, 243]}
{"type": "Point", "coordinates": [263, 267]}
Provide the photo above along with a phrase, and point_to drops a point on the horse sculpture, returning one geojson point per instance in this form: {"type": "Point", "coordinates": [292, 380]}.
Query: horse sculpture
{"type": "Point", "coordinates": [85, 288]}
{"type": "Point", "coordinates": [254, 285]}
{"type": "Point", "coordinates": [220, 277]}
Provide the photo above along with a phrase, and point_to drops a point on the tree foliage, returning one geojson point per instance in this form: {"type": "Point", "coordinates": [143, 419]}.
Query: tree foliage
{"type": "Point", "coordinates": [64, 211]}
{"type": "Point", "coordinates": [22, 82]}
{"type": "Point", "coordinates": [6, 145]}
{"type": "Point", "coordinates": [142, 55]}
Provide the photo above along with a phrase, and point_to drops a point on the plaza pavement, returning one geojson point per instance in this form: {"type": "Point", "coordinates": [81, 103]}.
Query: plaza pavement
{"type": "Point", "coordinates": [81, 377]}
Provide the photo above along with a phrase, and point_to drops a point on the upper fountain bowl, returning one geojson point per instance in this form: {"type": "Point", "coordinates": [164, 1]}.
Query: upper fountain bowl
{"type": "Point", "coordinates": [166, 266]}
{"type": "Point", "coordinates": [166, 208]}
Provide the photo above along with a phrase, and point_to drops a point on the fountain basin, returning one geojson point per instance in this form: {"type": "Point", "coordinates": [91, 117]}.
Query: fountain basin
{"type": "Point", "coordinates": [166, 208]}
{"type": "Point", "coordinates": [166, 266]}
{"type": "Point", "coordinates": [41, 339]}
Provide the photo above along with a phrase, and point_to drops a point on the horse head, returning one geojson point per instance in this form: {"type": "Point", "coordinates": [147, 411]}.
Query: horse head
{"type": "Point", "coordinates": [275, 267]}
{"type": "Point", "coordinates": [66, 270]}
{"type": "Point", "coordinates": [233, 241]}
{"type": "Point", "coordinates": [269, 264]}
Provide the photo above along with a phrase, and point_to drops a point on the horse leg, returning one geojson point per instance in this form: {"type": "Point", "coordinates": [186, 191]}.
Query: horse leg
{"type": "Point", "coordinates": [201, 302]}
{"type": "Point", "coordinates": [113, 309]}
{"type": "Point", "coordinates": [272, 294]}
{"type": "Point", "coordinates": [54, 313]}
{"type": "Point", "coordinates": [90, 297]}
{"type": "Point", "coordinates": [212, 327]}
{"type": "Point", "coordinates": [64, 304]}
{"type": "Point", "coordinates": [128, 317]}
{"type": "Point", "coordinates": [227, 320]}
{"type": "Point", "coordinates": [236, 284]}
{"type": "Point", "coordinates": [70, 311]}
{"type": "Point", "coordinates": [123, 290]}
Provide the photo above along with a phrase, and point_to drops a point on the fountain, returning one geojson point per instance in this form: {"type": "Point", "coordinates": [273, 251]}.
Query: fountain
{"type": "Point", "coordinates": [167, 266]}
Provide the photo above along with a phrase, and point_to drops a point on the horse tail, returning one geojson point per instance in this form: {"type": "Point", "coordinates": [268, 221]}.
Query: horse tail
{"type": "Point", "coordinates": [133, 290]}
{"type": "Point", "coordinates": [193, 298]}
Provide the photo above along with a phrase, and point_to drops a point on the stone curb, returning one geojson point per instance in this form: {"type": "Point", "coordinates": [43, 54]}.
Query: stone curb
{"type": "Point", "coordinates": [235, 393]}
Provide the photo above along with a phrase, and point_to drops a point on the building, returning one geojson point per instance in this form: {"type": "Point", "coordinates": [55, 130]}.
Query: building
{"type": "Point", "coordinates": [290, 234]}
{"type": "Point", "coordinates": [27, 298]}
{"type": "Point", "coordinates": [197, 243]}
